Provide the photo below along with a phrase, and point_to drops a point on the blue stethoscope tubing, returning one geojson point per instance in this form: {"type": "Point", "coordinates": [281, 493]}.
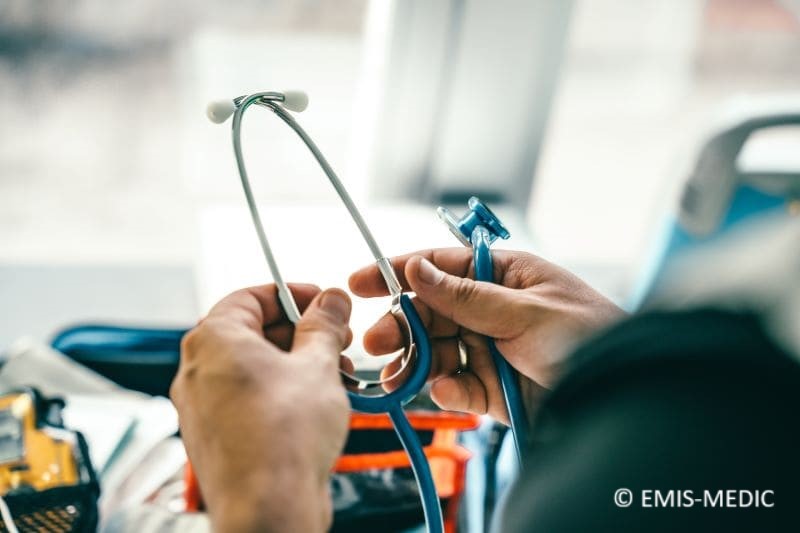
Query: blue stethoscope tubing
{"type": "Point", "coordinates": [509, 382]}
{"type": "Point", "coordinates": [392, 402]}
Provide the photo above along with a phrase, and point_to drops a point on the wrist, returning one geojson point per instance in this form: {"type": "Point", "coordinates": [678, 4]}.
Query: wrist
{"type": "Point", "coordinates": [279, 503]}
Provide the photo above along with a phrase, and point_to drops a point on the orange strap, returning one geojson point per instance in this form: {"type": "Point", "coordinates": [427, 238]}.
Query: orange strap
{"type": "Point", "coordinates": [420, 420]}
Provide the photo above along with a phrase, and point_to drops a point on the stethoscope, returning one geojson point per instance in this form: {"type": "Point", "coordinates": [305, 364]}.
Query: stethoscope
{"type": "Point", "coordinates": [478, 229]}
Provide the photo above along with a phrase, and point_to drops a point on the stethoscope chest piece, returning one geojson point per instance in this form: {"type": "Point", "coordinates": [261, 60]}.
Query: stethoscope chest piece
{"type": "Point", "coordinates": [479, 215]}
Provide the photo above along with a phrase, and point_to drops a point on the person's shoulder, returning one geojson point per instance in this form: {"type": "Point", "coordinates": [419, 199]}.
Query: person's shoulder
{"type": "Point", "coordinates": [662, 343]}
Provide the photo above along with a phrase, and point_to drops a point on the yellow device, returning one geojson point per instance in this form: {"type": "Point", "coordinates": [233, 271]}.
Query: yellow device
{"type": "Point", "coordinates": [47, 482]}
{"type": "Point", "coordinates": [32, 455]}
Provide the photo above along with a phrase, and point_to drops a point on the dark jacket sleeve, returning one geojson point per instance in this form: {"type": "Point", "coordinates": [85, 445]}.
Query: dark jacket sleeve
{"type": "Point", "coordinates": [693, 403]}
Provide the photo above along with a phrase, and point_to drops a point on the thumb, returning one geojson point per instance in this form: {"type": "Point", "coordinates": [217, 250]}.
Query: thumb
{"type": "Point", "coordinates": [323, 329]}
{"type": "Point", "coordinates": [485, 308]}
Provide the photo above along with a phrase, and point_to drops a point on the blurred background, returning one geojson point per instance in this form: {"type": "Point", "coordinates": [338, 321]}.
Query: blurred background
{"type": "Point", "coordinates": [120, 202]}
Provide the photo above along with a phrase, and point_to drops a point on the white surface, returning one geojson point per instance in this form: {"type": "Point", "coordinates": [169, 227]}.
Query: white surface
{"type": "Point", "coordinates": [159, 465]}
{"type": "Point", "coordinates": [156, 420]}
{"type": "Point", "coordinates": [102, 425]}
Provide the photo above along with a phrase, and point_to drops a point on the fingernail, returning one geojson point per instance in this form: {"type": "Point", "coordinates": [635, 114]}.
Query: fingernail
{"type": "Point", "coordinates": [336, 304]}
{"type": "Point", "coordinates": [429, 274]}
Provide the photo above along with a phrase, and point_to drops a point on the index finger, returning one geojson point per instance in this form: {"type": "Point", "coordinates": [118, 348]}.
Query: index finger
{"type": "Point", "coordinates": [256, 307]}
{"type": "Point", "coordinates": [368, 281]}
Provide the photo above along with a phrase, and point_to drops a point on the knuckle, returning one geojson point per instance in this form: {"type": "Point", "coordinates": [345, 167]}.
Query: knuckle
{"type": "Point", "coordinates": [322, 326]}
{"type": "Point", "coordinates": [521, 272]}
{"type": "Point", "coordinates": [465, 291]}
{"type": "Point", "coordinates": [195, 340]}
{"type": "Point", "coordinates": [175, 390]}
{"type": "Point", "coordinates": [310, 326]}
{"type": "Point", "coordinates": [239, 294]}
{"type": "Point", "coordinates": [524, 312]}
{"type": "Point", "coordinates": [190, 341]}
{"type": "Point", "coordinates": [183, 382]}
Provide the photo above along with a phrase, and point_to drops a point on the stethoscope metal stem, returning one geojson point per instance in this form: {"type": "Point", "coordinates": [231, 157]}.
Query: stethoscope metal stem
{"type": "Point", "coordinates": [268, 99]}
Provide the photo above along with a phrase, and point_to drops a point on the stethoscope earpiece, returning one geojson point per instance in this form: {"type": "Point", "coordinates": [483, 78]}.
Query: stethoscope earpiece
{"type": "Point", "coordinates": [296, 101]}
{"type": "Point", "coordinates": [219, 111]}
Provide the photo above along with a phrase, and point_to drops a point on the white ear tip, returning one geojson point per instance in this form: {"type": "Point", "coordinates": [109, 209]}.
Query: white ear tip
{"type": "Point", "coordinates": [296, 101]}
{"type": "Point", "coordinates": [218, 111]}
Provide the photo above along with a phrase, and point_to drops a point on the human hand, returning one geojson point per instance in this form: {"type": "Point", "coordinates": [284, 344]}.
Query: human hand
{"type": "Point", "coordinates": [262, 409]}
{"type": "Point", "coordinates": [535, 312]}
